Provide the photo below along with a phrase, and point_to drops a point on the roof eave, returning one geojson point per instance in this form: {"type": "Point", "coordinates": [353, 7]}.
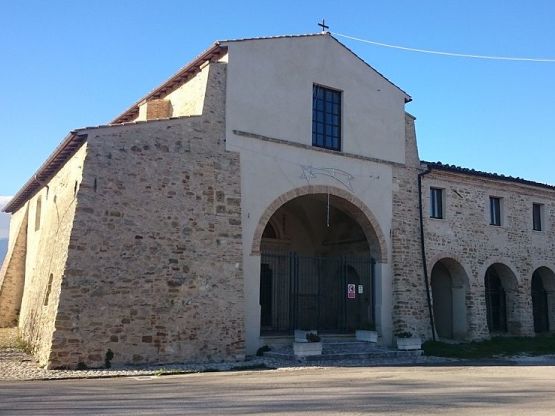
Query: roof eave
{"type": "Point", "coordinates": [71, 143]}
{"type": "Point", "coordinates": [485, 175]}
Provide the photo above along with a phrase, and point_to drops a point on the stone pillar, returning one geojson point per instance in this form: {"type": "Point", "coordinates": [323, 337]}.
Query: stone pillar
{"type": "Point", "coordinates": [383, 307]}
{"type": "Point", "coordinates": [251, 269]}
{"type": "Point", "coordinates": [459, 312]}
{"type": "Point", "coordinates": [477, 323]}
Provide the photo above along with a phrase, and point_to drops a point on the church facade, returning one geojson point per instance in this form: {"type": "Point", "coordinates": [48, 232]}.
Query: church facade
{"type": "Point", "coordinates": [272, 184]}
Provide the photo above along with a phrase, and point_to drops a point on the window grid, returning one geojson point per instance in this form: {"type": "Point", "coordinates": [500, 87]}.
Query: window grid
{"type": "Point", "coordinates": [436, 203]}
{"type": "Point", "coordinates": [495, 210]}
{"type": "Point", "coordinates": [326, 118]}
{"type": "Point", "coordinates": [537, 217]}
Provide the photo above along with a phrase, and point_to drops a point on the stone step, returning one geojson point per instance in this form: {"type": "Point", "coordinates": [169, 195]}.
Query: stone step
{"type": "Point", "coordinates": [354, 350]}
{"type": "Point", "coordinates": [378, 355]}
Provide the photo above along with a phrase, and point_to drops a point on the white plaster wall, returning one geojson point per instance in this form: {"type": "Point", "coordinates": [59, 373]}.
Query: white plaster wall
{"type": "Point", "coordinates": [265, 99]}
{"type": "Point", "coordinates": [269, 170]}
{"type": "Point", "coordinates": [270, 93]}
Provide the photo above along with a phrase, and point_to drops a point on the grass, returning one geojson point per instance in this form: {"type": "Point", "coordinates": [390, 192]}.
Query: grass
{"type": "Point", "coordinates": [495, 347]}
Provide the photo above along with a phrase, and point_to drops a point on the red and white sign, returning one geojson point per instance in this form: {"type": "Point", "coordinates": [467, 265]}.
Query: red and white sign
{"type": "Point", "coordinates": [351, 291]}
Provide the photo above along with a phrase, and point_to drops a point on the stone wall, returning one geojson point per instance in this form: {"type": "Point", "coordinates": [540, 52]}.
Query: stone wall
{"type": "Point", "coordinates": [12, 272]}
{"type": "Point", "coordinates": [186, 100]}
{"type": "Point", "coordinates": [43, 253]}
{"type": "Point", "coordinates": [410, 309]}
{"type": "Point", "coordinates": [465, 236]}
{"type": "Point", "coordinates": [154, 270]}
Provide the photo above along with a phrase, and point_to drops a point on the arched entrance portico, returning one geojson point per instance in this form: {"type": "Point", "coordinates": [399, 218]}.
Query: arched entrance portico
{"type": "Point", "coordinates": [543, 301]}
{"type": "Point", "coordinates": [317, 267]}
{"type": "Point", "coordinates": [449, 284]}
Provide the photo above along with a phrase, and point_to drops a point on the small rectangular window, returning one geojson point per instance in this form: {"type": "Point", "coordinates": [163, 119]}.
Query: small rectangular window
{"type": "Point", "coordinates": [326, 118]}
{"type": "Point", "coordinates": [537, 211]}
{"type": "Point", "coordinates": [495, 210]}
{"type": "Point", "coordinates": [436, 203]}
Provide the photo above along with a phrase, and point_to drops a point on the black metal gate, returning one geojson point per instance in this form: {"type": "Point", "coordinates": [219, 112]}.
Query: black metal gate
{"type": "Point", "coordinates": [496, 302]}
{"type": "Point", "coordinates": [539, 304]}
{"type": "Point", "coordinates": [333, 294]}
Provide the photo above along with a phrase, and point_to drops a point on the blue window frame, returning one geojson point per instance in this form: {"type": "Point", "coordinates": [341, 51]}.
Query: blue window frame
{"type": "Point", "coordinates": [326, 117]}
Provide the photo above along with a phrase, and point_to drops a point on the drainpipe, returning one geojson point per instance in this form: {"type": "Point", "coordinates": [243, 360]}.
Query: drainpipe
{"type": "Point", "coordinates": [423, 248]}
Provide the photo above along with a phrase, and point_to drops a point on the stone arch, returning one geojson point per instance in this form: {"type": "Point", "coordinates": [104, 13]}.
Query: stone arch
{"type": "Point", "coordinates": [506, 264]}
{"type": "Point", "coordinates": [432, 261]}
{"type": "Point", "coordinates": [352, 205]}
{"type": "Point", "coordinates": [542, 291]}
{"type": "Point", "coordinates": [449, 283]}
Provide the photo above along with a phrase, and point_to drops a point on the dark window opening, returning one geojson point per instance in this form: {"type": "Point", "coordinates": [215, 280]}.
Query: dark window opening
{"type": "Point", "coordinates": [537, 217]}
{"type": "Point", "coordinates": [326, 118]}
{"type": "Point", "coordinates": [436, 203]}
{"type": "Point", "coordinates": [495, 210]}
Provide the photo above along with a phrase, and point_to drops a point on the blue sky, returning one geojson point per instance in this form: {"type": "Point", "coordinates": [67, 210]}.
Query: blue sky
{"type": "Point", "coordinates": [69, 64]}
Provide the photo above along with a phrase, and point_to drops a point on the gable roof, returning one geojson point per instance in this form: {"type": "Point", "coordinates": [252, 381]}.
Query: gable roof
{"type": "Point", "coordinates": [174, 82]}
{"type": "Point", "coordinates": [218, 49]}
{"type": "Point", "coordinates": [48, 169]}
{"type": "Point", "coordinates": [73, 141]}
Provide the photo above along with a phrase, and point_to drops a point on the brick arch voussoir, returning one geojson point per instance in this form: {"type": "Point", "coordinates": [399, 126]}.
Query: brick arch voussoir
{"type": "Point", "coordinates": [357, 209]}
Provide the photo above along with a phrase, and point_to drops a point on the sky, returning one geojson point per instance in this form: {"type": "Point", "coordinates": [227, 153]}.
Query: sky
{"type": "Point", "coordinates": [4, 220]}
{"type": "Point", "coordinates": [70, 64]}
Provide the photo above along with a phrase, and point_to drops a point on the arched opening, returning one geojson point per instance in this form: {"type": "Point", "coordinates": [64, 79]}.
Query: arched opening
{"type": "Point", "coordinates": [501, 303]}
{"type": "Point", "coordinates": [543, 301]}
{"type": "Point", "coordinates": [317, 267]}
{"type": "Point", "coordinates": [449, 287]}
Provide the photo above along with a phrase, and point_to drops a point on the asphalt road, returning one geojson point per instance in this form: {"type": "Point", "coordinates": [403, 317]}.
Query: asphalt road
{"type": "Point", "coordinates": [480, 391]}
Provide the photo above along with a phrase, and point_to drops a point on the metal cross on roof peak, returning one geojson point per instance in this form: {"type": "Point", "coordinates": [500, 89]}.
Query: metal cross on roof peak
{"type": "Point", "coordinates": [323, 25]}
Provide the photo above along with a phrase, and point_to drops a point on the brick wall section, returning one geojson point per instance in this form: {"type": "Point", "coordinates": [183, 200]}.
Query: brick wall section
{"type": "Point", "coordinates": [12, 273]}
{"type": "Point", "coordinates": [155, 267]}
{"type": "Point", "coordinates": [466, 236]}
{"type": "Point", "coordinates": [156, 109]}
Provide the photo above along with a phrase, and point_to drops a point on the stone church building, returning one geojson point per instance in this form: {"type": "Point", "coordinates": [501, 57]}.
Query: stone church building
{"type": "Point", "coordinates": [272, 184]}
